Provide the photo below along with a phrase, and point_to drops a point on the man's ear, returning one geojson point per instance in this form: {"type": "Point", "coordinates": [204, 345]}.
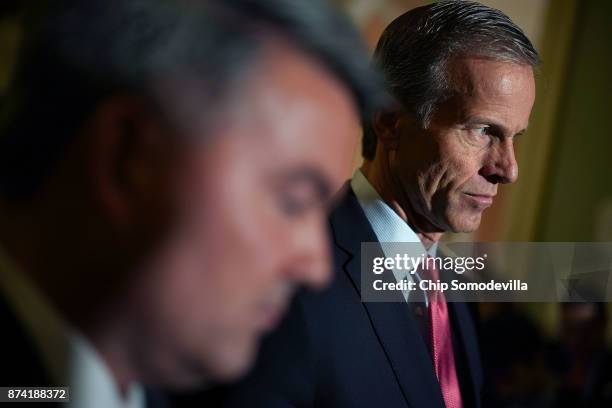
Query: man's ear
{"type": "Point", "coordinates": [386, 125]}
{"type": "Point", "coordinates": [129, 159]}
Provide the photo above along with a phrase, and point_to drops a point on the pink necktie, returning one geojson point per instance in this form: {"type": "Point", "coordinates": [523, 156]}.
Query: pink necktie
{"type": "Point", "coordinates": [442, 343]}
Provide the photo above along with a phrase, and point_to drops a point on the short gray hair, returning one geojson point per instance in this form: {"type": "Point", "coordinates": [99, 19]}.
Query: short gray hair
{"type": "Point", "coordinates": [415, 49]}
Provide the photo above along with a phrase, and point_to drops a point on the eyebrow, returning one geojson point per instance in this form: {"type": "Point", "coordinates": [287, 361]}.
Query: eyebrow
{"type": "Point", "coordinates": [482, 120]}
{"type": "Point", "coordinates": [311, 176]}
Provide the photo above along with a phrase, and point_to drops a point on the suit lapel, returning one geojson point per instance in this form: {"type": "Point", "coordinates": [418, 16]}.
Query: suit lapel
{"type": "Point", "coordinates": [393, 322]}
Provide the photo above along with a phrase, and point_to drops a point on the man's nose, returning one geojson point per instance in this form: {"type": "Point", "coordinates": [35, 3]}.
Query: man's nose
{"type": "Point", "coordinates": [500, 165]}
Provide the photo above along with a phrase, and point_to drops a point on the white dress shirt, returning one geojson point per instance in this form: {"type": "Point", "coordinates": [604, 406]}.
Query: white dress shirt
{"type": "Point", "coordinates": [69, 357]}
{"type": "Point", "coordinates": [389, 227]}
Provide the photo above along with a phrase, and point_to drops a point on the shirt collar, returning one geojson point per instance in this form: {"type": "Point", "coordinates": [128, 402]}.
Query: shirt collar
{"type": "Point", "coordinates": [68, 356]}
{"type": "Point", "coordinates": [388, 226]}
{"type": "Point", "coordinates": [386, 223]}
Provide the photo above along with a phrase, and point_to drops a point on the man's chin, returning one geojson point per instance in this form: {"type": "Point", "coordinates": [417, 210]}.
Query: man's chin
{"type": "Point", "coordinates": [234, 362]}
{"type": "Point", "coordinates": [234, 372]}
{"type": "Point", "coordinates": [466, 224]}
{"type": "Point", "coordinates": [228, 363]}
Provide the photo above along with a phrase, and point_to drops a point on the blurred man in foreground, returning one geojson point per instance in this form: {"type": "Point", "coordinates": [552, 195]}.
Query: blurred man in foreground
{"type": "Point", "coordinates": [463, 77]}
{"type": "Point", "coordinates": [166, 167]}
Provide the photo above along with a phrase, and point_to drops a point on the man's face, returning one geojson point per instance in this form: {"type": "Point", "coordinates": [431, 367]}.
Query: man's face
{"type": "Point", "coordinates": [252, 220]}
{"type": "Point", "coordinates": [449, 172]}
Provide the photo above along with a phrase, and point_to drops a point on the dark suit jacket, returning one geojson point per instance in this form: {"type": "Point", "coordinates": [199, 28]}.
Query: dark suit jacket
{"type": "Point", "coordinates": [332, 350]}
{"type": "Point", "coordinates": [23, 366]}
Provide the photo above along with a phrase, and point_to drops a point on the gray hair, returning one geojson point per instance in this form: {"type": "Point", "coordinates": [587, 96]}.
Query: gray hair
{"type": "Point", "coordinates": [415, 49]}
{"type": "Point", "coordinates": [78, 52]}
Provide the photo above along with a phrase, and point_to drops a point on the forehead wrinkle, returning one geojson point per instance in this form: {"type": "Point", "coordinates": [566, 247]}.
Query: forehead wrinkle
{"type": "Point", "coordinates": [467, 77]}
{"type": "Point", "coordinates": [489, 96]}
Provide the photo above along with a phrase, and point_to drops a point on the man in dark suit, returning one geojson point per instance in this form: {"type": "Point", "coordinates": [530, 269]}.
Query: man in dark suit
{"type": "Point", "coordinates": [462, 76]}
{"type": "Point", "coordinates": [156, 216]}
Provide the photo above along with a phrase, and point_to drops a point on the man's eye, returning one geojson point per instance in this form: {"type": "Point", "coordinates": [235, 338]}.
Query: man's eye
{"type": "Point", "coordinates": [480, 135]}
{"type": "Point", "coordinates": [483, 130]}
{"type": "Point", "coordinates": [291, 205]}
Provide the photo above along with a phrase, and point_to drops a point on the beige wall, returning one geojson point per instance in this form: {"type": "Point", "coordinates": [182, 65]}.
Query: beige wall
{"type": "Point", "coordinates": [373, 16]}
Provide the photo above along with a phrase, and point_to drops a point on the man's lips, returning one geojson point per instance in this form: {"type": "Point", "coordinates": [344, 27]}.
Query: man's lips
{"type": "Point", "coordinates": [483, 200]}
